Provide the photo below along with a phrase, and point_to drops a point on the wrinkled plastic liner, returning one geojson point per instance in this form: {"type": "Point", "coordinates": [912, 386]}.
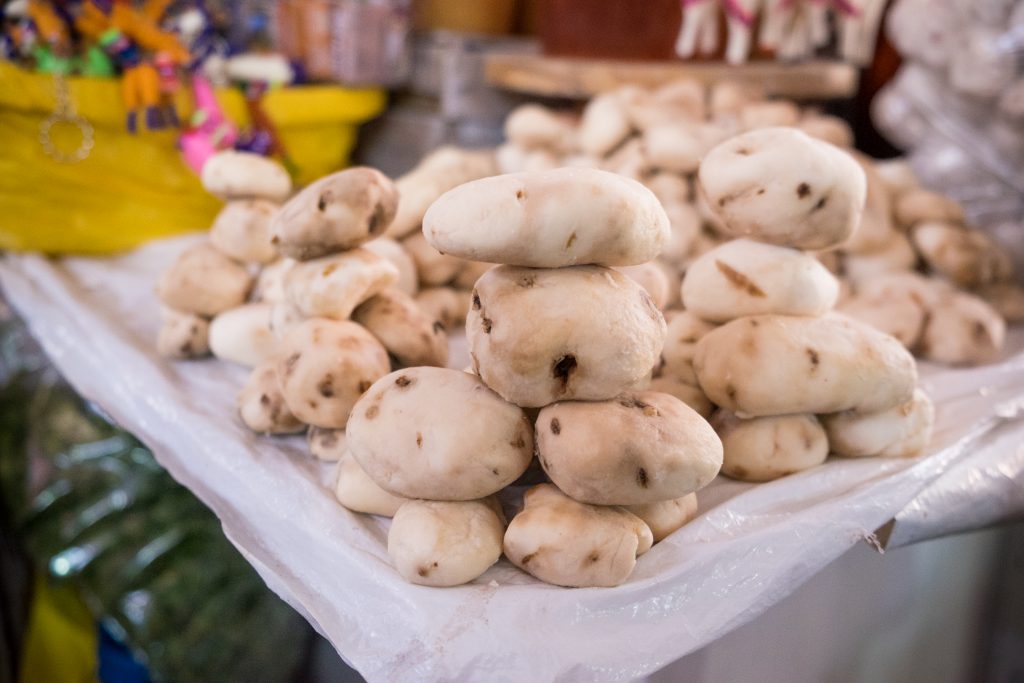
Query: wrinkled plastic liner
{"type": "Point", "coordinates": [751, 546]}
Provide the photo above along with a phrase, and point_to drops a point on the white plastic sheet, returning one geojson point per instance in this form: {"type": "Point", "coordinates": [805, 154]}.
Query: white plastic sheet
{"type": "Point", "coordinates": [752, 545]}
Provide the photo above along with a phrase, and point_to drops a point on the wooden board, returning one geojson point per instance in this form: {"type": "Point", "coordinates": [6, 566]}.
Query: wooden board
{"type": "Point", "coordinates": [582, 78]}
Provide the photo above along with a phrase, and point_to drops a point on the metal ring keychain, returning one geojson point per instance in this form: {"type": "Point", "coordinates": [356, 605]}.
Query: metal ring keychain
{"type": "Point", "coordinates": [65, 113]}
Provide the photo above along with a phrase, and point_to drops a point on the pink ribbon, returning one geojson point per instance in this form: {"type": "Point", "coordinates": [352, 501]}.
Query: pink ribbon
{"type": "Point", "coordinates": [738, 12]}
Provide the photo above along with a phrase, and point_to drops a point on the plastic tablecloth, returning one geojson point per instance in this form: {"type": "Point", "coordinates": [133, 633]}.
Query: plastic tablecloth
{"type": "Point", "coordinates": [751, 545]}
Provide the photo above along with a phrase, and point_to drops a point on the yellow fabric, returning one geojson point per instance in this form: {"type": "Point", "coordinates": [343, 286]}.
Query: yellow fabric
{"type": "Point", "coordinates": [133, 188]}
{"type": "Point", "coordinates": [61, 643]}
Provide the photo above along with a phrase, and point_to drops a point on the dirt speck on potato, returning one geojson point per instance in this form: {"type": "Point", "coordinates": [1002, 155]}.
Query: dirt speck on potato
{"type": "Point", "coordinates": [372, 412]}
{"type": "Point", "coordinates": [641, 478]}
{"type": "Point", "coordinates": [556, 426]}
{"type": "Point", "coordinates": [563, 368]}
{"type": "Point", "coordinates": [803, 190]}
{"type": "Point", "coordinates": [739, 280]}
{"type": "Point", "coordinates": [402, 381]}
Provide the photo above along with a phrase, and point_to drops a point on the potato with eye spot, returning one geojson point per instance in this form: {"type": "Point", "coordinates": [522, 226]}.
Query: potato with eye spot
{"type": "Point", "coordinates": [666, 516]}
{"type": "Point", "coordinates": [325, 366]}
{"type": "Point", "coordinates": [336, 213]}
{"type": "Point", "coordinates": [566, 543]}
{"type": "Point", "coordinates": [780, 185]}
{"type": "Point", "coordinates": [549, 219]}
{"type": "Point", "coordinates": [261, 405]}
{"type": "Point", "coordinates": [900, 432]}
{"type": "Point", "coordinates": [242, 230]}
{"type": "Point", "coordinates": [182, 335]}
{"type": "Point", "coordinates": [243, 175]}
{"type": "Point", "coordinates": [326, 444]}
{"type": "Point", "coordinates": [743, 277]}
{"type": "Point", "coordinates": [204, 281]}
{"type": "Point", "coordinates": [538, 336]}
{"type": "Point", "coordinates": [775, 365]}
{"type": "Point", "coordinates": [446, 543]}
{"type": "Point", "coordinates": [766, 448]}
{"type": "Point", "coordinates": [432, 267]}
{"type": "Point", "coordinates": [332, 286]}
{"type": "Point", "coordinates": [357, 492]}
{"type": "Point", "coordinates": [968, 258]}
{"type": "Point", "coordinates": [408, 332]}
{"type": "Point", "coordinates": [439, 434]}
{"type": "Point", "coordinates": [641, 447]}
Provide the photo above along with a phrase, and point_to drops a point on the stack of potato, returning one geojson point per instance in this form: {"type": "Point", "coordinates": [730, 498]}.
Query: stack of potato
{"type": "Point", "coordinates": [328, 317]}
{"type": "Point", "coordinates": [559, 340]}
{"type": "Point", "coordinates": [793, 381]}
{"type": "Point", "coordinates": [914, 268]}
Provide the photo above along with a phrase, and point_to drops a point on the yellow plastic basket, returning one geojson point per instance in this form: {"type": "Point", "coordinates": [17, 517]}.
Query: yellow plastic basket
{"type": "Point", "coordinates": [132, 188]}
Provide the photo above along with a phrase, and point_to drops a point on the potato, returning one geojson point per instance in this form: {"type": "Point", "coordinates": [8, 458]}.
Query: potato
{"type": "Point", "coordinates": [445, 543]}
{"type": "Point", "coordinates": [270, 283]}
{"type": "Point", "coordinates": [629, 159]}
{"type": "Point", "coordinates": [357, 492]}
{"type": "Point", "coordinates": [679, 146]}
{"type": "Point", "coordinates": [690, 394]}
{"type": "Point", "coordinates": [895, 256]}
{"type": "Point", "coordinates": [746, 278]}
{"type": "Point", "coordinates": [669, 188]}
{"type": "Point", "coordinates": [549, 219]}
{"type": "Point", "coordinates": [685, 225]}
{"type": "Point", "coordinates": [408, 332]}
{"type": "Point", "coordinates": [897, 175]}
{"type": "Point", "coordinates": [831, 129]}
{"type": "Point", "coordinates": [329, 445]}
{"type": "Point", "coordinates": [774, 365]}
{"type": "Point", "coordinates": [728, 98]}
{"type": "Point", "coordinates": [1006, 298]}
{"type": "Point", "coordinates": [512, 158]}
{"type": "Point", "coordinates": [204, 281]}
{"type": "Point", "coordinates": [605, 124]}
{"type": "Point", "coordinates": [899, 432]}
{"type": "Point", "coordinates": [534, 125]}
{"type": "Point", "coordinates": [284, 317]}
{"type": "Point", "coordinates": [781, 186]}
{"type": "Point", "coordinates": [243, 175]}
{"type": "Point", "coordinates": [438, 172]}
{"type": "Point", "coordinates": [432, 267]}
{"type": "Point", "coordinates": [470, 273]}
{"type": "Point", "coordinates": [242, 335]}
{"type": "Point", "coordinates": [899, 316]}
{"type": "Point", "coordinates": [182, 335]}
{"type": "Point", "coordinates": [540, 336]}
{"type": "Point", "coordinates": [651, 278]}
{"type": "Point", "coordinates": [968, 258]}
{"type": "Point", "coordinates": [877, 229]}
{"type": "Point", "coordinates": [446, 304]}
{"type": "Point", "coordinates": [666, 516]}
{"type": "Point", "coordinates": [756, 115]}
{"type": "Point", "coordinates": [641, 447]}
{"type": "Point", "coordinates": [567, 543]}
{"type": "Point", "coordinates": [682, 334]}
{"type": "Point", "coordinates": [261, 404]}
{"type": "Point", "coordinates": [242, 230]}
{"type": "Point", "coordinates": [338, 212]}
{"type": "Point", "coordinates": [918, 205]}
{"type": "Point", "coordinates": [396, 254]}
{"type": "Point", "coordinates": [405, 434]}
{"type": "Point", "coordinates": [325, 366]}
{"type": "Point", "coordinates": [963, 330]}
{"type": "Point", "coordinates": [767, 448]}
{"type": "Point", "coordinates": [331, 287]}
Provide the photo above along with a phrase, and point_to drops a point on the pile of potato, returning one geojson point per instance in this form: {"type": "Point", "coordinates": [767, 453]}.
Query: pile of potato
{"type": "Point", "coordinates": [792, 381]}
{"type": "Point", "coordinates": [328, 316]}
{"type": "Point", "coordinates": [913, 268]}
{"type": "Point", "coordinates": [559, 342]}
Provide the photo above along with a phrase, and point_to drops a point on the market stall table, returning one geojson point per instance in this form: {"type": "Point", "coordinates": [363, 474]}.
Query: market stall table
{"type": "Point", "coordinates": [751, 546]}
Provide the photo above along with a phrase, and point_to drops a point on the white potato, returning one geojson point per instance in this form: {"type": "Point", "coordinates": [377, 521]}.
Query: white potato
{"type": "Point", "coordinates": [766, 448]}
{"type": "Point", "coordinates": [902, 431]}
